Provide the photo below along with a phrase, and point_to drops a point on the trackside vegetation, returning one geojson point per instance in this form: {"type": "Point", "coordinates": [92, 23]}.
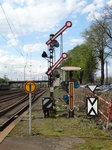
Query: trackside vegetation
{"type": "Point", "coordinates": [82, 56]}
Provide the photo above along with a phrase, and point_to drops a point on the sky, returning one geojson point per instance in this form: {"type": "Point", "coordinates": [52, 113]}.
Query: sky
{"type": "Point", "coordinates": [25, 26]}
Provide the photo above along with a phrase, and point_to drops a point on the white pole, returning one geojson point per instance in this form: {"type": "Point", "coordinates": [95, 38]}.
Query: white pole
{"type": "Point", "coordinates": [61, 51]}
{"type": "Point", "coordinates": [24, 72]}
{"type": "Point", "coordinates": [106, 72]}
{"type": "Point", "coordinates": [30, 119]}
{"type": "Point", "coordinates": [61, 44]}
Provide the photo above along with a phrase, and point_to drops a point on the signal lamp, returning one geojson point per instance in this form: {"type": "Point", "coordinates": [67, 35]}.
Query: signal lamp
{"type": "Point", "coordinates": [51, 56]}
{"type": "Point", "coordinates": [51, 35]}
{"type": "Point", "coordinates": [44, 54]}
{"type": "Point", "coordinates": [57, 76]}
{"type": "Point", "coordinates": [56, 43]}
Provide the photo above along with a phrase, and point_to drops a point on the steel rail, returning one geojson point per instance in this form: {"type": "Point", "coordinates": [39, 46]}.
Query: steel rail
{"type": "Point", "coordinates": [18, 113]}
{"type": "Point", "coordinates": [4, 111]}
{"type": "Point", "coordinates": [9, 92]}
{"type": "Point", "coordinates": [5, 99]}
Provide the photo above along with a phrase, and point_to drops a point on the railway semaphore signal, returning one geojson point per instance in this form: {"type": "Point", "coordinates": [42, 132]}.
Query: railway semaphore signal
{"type": "Point", "coordinates": [52, 43]}
{"type": "Point", "coordinates": [67, 25]}
{"type": "Point", "coordinates": [63, 57]}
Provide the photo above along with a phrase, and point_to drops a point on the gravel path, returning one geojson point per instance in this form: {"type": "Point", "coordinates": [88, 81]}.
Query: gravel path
{"type": "Point", "coordinates": [39, 143]}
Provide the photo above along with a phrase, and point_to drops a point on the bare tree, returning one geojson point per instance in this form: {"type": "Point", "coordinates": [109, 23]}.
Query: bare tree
{"type": "Point", "coordinates": [105, 23]}
{"type": "Point", "coordinates": [97, 38]}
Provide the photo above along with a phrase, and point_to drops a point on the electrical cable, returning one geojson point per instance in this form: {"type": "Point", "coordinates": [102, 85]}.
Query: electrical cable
{"type": "Point", "coordinates": [19, 51]}
{"type": "Point", "coordinates": [11, 29]}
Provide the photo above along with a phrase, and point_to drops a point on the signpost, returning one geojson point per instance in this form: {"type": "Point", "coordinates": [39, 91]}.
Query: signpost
{"type": "Point", "coordinates": [92, 102]}
{"type": "Point", "coordinates": [92, 87]}
{"type": "Point", "coordinates": [30, 87]}
{"type": "Point", "coordinates": [72, 84]}
{"type": "Point", "coordinates": [71, 99]}
{"type": "Point", "coordinates": [92, 106]}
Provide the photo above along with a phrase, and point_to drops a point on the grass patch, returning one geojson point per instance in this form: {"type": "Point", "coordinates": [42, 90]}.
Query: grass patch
{"type": "Point", "coordinates": [21, 129]}
{"type": "Point", "coordinates": [94, 144]}
{"type": "Point", "coordinates": [68, 127]}
{"type": "Point", "coordinates": [81, 126]}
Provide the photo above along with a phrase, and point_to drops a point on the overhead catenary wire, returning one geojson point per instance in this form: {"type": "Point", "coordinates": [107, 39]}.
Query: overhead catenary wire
{"type": "Point", "coordinates": [19, 51]}
{"type": "Point", "coordinates": [13, 29]}
{"type": "Point", "coordinates": [15, 36]}
{"type": "Point", "coordinates": [26, 64]}
{"type": "Point", "coordinates": [5, 39]}
{"type": "Point", "coordinates": [15, 49]}
{"type": "Point", "coordinates": [11, 45]}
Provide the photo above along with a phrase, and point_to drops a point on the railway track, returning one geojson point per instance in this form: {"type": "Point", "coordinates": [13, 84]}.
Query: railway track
{"type": "Point", "coordinates": [10, 92]}
{"type": "Point", "coordinates": [11, 97]}
{"type": "Point", "coordinates": [10, 113]}
{"type": "Point", "coordinates": [7, 101]}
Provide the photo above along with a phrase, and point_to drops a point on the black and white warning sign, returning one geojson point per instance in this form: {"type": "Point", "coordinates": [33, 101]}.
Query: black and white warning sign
{"type": "Point", "coordinates": [92, 106]}
{"type": "Point", "coordinates": [47, 103]}
{"type": "Point", "coordinates": [92, 88]}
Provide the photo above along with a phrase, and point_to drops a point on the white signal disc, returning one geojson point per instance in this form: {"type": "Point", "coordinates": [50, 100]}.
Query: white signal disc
{"type": "Point", "coordinates": [68, 24]}
{"type": "Point", "coordinates": [64, 55]}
